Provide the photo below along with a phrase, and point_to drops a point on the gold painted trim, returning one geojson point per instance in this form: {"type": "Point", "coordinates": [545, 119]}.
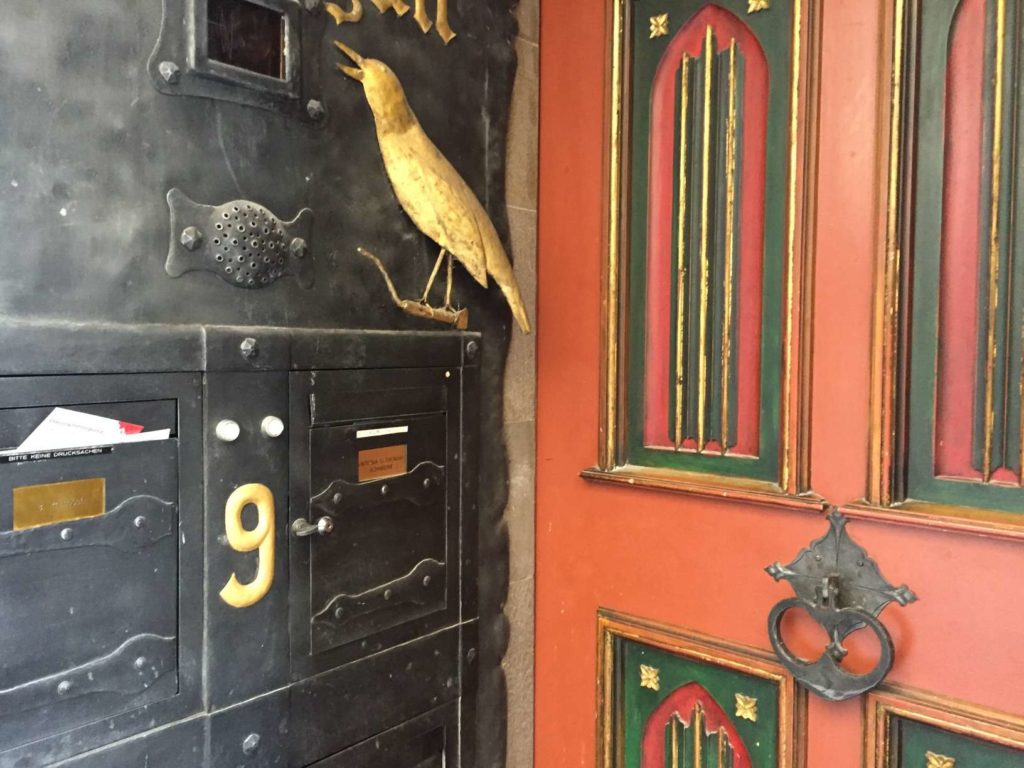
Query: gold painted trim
{"type": "Point", "coordinates": [705, 236]}
{"type": "Point", "coordinates": [942, 517]}
{"type": "Point", "coordinates": [887, 299]}
{"type": "Point", "coordinates": [992, 350]}
{"type": "Point", "coordinates": [611, 361]}
{"type": "Point", "coordinates": [682, 251]}
{"type": "Point", "coordinates": [792, 705]}
{"type": "Point", "coordinates": [794, 436]}
{"type": "Point", "coordinates": [706, 485]}
{"type": "Point", "coordinates": [730, 246]}
{"type": "Point", "coordinates": [957, 716]}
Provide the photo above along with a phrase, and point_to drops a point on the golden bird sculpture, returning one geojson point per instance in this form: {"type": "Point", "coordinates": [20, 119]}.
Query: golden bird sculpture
{"type": "Point", "coordinates": [434, 195]}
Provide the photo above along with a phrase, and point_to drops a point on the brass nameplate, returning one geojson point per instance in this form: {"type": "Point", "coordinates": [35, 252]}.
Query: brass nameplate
{"type": "Point", "coordinates": [378, 463]}
{"type": "Point", "coordinates": [36, 505]}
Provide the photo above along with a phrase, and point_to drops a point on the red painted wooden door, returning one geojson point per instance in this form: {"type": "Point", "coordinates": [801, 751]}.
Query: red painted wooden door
{"type": "Point", "coordinates": [873, 150]}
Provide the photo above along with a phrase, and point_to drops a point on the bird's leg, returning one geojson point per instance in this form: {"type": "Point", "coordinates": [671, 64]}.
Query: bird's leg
{"type": "Point", "coordinates": [448, 288]}
{"type": "Point", "coordinates": [433, 276]}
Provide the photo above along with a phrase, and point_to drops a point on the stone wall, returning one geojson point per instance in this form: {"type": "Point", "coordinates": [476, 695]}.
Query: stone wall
{"type": "Point", "coordinates": [521, 390]}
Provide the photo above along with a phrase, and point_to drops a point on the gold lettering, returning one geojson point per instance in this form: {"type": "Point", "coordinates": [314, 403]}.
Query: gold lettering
{"type": "Point", "coordinates": [386, 5]}
{"type": "Point", "coordinates": [341, 16]}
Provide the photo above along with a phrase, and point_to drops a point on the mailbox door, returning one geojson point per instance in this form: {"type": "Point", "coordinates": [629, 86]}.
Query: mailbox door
{"type": "Point", "coordinates": [376, 473]}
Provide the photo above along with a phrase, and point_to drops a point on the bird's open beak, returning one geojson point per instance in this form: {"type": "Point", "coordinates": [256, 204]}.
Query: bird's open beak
{"type": "Point", "coordinates": [354, 72]}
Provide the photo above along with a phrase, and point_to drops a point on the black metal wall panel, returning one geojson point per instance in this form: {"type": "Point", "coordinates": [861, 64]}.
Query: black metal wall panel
{"type": "Point", "coordinates": [247, 647]}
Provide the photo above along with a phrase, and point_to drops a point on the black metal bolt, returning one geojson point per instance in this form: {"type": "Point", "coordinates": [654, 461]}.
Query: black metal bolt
{"type": "Point", "coordinates": [426, 581]}
{"type": "Point", "coordinates": [251, 743]}
{"type": "Point", "coordinates": [471, 655]}
{"type": "Point", "coordinates": [140, 662]}
{"type": "Point", "coordinates": [384, 490]}
{"type": "Point", "coordinates": [387, 594]}
{"type": "Point", "coordinates": [66, 534]}
{"type": "Point", "coordinates": [139, 521]}
{"type": "Point", "coordinates": [337, 498]}
{"type": "Point", "coordinates": [427, 482]}
{"type": "Point", "coordinates": [298, 248]}
{"type": "Point", "coordinates": [471, 349]}
{"type": "Point", "coordinates": [170, 72]}
{"type": "Point", "coordinates": [64, 688]}
{"type": "Point", "coordinates": [249, 348]}
{"type": "Point", "coordinates": [191, 238]}
{"type": "Point", "coordinates": [315, 109]}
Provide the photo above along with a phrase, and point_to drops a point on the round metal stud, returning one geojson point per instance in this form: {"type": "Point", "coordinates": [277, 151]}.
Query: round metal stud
{"type": "Point", "coordinates": [227, 431]}
{"type": "Point", "coordinates": [272, 427]}
{"type": "Point", "coordinates": [251, 743]}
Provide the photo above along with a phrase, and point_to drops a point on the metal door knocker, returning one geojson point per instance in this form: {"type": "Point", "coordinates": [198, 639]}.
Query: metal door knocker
{"type": "Point", "coordinates": [842, 589]}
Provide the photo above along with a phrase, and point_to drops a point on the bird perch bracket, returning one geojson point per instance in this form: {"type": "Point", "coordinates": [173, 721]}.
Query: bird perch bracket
{"type": "Point", "coordinates": [459, 318]}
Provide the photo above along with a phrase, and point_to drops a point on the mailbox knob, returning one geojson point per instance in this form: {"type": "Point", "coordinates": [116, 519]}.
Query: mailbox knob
{"type": "Point", "coordinates": [303, 528]}
{"type": "Point", "coordinates": [272, 426]}
{"type": "Point", "coordinates": [227, 430]}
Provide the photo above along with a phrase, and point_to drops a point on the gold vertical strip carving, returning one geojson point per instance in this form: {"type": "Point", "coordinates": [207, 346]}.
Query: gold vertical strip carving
{"type": "Point", "coordinates": [702, 362]}
{"type": "Point", "coordinates": [993, 242]}
{"type": "Point", "coordinates": [730, 244]}
{"type": "Point", "coordinates": [608, 444]}
{"type": "Point", "coordinates": [675, 741]}
{"type": "Point", "coordinates": [682, 254]}
{"type": "Point", "coordinates": [790, 451]}
{"type": "Point", "coordinates": [1020, 480]}
{"type": "Point", "coordinates": [697, 726]}
{"type": "Point", "coordinates": [721, 748]}
{"type": "Point", "coordinates": [887, 293]}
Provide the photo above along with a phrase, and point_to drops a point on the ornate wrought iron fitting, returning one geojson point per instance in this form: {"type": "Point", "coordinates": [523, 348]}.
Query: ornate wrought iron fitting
{"type": "Point", "coordinates": [842, 589]}
{"type": "Point", "coordinates": [241, 241]}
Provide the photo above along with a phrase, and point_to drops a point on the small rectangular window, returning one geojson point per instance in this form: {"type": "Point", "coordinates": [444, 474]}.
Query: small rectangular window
{"type": "Point", "coordinates": [248, 36]}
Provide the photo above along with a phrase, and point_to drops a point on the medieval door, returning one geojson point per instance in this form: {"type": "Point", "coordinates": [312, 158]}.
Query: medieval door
{"type": "Point", "coordinates": [792, 234]}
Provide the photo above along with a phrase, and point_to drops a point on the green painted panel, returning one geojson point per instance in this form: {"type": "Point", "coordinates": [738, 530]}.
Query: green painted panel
{"type": "Point", "coordinates": [915, 740]}
{"type": "Point", "coordinates": [636, 703]}
{"type": "Point", "coordinates": [773, 31]}
{"type": "Point", "coordinates": [936, 19]}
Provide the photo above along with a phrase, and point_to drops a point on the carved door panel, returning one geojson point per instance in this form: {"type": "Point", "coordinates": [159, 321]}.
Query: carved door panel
{"type": "Point", "coordinates": [808, 217]}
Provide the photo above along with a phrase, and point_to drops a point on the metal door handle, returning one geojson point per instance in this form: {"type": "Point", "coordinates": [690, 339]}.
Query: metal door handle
{"type": "Point", "coordinates": [303, 528]}
{"type": "Point", "coordinates": [840, 586]}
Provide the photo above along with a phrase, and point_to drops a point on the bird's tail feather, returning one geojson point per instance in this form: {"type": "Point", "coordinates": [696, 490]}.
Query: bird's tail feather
{"type": "Point", "coordinates": [515, 301]}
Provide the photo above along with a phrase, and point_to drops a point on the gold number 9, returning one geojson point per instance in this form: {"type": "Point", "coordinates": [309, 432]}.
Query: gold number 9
{"type": "Point", "coordinates": [261, 537]}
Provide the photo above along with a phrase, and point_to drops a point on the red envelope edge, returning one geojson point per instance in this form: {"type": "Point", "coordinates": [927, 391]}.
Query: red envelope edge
{"type": "Point", "coordinates": [129, 428]}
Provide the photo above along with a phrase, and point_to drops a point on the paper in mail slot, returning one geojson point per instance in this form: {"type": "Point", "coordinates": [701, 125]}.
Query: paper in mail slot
{"type": "Point", "coordinates": [65, 428]}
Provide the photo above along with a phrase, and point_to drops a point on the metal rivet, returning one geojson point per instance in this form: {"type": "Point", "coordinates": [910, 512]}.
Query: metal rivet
{"type": "Point", "coordinates": [818, 558]}
{"type": "Point", "coordinates": [249, 348]}
{"type": "Point", "coordinates": [427, 482]}
{"type": "Point", "coordinates": [66, 534]}
{"type": "Point", "coordinates": [169, 71]}
{"type": "Point", "coordinates": [471, 655]}
{"type": "Point", "coordinates": [384, 490]}
{"type": "Point", "coordinates": [139, 521]}
{"type": "Point", "coordinates": [387, 594]}
{"type": "Point", "coordinates": [298, 248]}
{"type": "Point", "coordinates": [191, 238]}
{"type": "Point", "coordinates": [251, 743]}
{"type": "Point", "coordinates": [426, 581]}
{"type": "Point", "coordinates": [339, 612]}
{"type": "Point", "coordinates": [64, 687]}
{"type": "Point", "coordinates": [471, 349]}
{"type": "Point", "coordinates": [140, 662]}
{"type": "Point", "coordinates": [315, 109]}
